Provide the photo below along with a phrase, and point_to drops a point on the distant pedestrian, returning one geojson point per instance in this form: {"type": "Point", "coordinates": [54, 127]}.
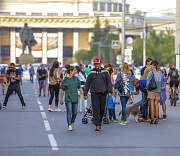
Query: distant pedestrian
{"type": "Point", "coordinates": [31, 73]}
{"type": "Point", "coordinates": [21, 72]}
{"type": "Point", "coordinates": [70, 86]}
{"type": "Point", "coordinates": [86, 69]}
{"type": "Point", "coordinates": [48, 79]}
{"type": "Point", "coordinates": [82, 78]}
{"type": "Point", "coordinates": [15, 76]}
{"type": "Point", "coordinates": [42, 74]}
{"type": "Point", "coordinates": [4, 85]}
{"type": "Point", "coordinates": [99, 83]}
{"type": "Point", "coordinates": [54, 85]}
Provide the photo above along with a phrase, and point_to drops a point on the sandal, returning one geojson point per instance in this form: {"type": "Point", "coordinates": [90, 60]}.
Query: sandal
{"type": "Point", "coordinates": [152, 122]}
{"type": "Point", "coordinates": [156, 121]}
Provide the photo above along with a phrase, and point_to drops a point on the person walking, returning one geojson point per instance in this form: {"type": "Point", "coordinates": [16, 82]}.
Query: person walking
{"type": "Point", "coordinates": [14, 76]}
{"type": "Point", "coordinates": [21, 72]}
{"type": "Point", "coordinates": [82, 77]}
{"type": "Point", "coordinates": [154, 95]}
{"type": "Point", "coordinates": [31, 73]}
{"type": "Point", "coordinates": [48, 79]}
{"type": "Point", "coordinates": [70, 87]}
{"type": "Point", "coordinates": [99, 81]}
{"type": "Point", "coordinates": [125, 77]}
{"type": "Point", "coordinates": [42, 74]}
{"type": "Point", "coordinates": [54, 86]}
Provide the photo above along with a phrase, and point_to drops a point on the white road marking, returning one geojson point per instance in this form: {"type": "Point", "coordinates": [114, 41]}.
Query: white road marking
{"type": "Point", "coordinates": [53, 142]}
{"type": "Point", "coordinates": [47, 126]}
{"type": "Point", "coordinates": [41, 108]}
{"type": "Point", "coordinates": [39, 102]}
{"type": "Point", "coordinates": [43, 115]}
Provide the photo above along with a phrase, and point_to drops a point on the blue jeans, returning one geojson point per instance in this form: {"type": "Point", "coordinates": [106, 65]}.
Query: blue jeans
{"type": "Point", "coordinates": [143, 103]}
{"type": "Point", "coordinates": [124, 100]}
{"type": "Point", "coordinates": [31, 77]}
{"type": "Point", "coordinates": [112, 113]}
{"type": "Point", "coordinates": [71, 112]}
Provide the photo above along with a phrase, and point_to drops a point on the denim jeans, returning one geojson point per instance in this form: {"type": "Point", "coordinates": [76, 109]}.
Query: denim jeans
{"type": "Point", "coordinates": [124, 100]}
{"type": "Point", "coordinates": [112, 113]}
{"type": "Point", "coordinates": [71, 112]}
{"type": "Point", "coordinates": [31, 77]}
{"type": "Point", "coordinates": [143, 103]}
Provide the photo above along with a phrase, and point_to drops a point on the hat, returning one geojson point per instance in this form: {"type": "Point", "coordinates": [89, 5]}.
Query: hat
{"type": "Point", "coordinates": [97, 60]}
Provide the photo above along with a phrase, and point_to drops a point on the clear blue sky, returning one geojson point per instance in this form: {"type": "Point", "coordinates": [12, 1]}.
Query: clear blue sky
{"type": "Point", "coordinates": [151, 5]}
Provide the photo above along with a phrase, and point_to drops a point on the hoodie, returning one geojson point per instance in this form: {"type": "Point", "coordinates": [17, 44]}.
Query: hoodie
{"type": "Point", "coordinates": [98, 81]}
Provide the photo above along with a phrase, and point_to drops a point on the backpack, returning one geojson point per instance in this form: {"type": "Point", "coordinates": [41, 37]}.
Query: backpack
{"type": "Point", "coordinates": [174, 74]}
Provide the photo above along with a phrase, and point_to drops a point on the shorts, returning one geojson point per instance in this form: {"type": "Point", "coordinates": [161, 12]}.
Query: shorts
{"type": "Point", "coordinates": [42, 83]}
{"type": "Point", "coordinates": [176, 82]}
{"type": "Point", "coordinates": [153, 96]}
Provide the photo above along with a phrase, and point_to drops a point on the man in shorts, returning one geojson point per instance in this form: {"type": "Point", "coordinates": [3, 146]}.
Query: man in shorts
{"type": "Point", "coordinates": [42, 74]}
{"type": "Point", "coordinates": [173, 77]}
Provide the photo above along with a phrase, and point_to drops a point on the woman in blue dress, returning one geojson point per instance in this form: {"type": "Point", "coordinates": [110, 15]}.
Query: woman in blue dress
{"type": "Point", "coordinates": [163, 96]}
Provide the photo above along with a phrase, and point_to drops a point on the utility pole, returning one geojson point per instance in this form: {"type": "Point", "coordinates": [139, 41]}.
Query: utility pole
{"type": "Point", "coordinates": [177, 35]}
{"type": "Point", "coordinates": [123, 30]}
{"type": "Point", "coordinates": [144, 40]}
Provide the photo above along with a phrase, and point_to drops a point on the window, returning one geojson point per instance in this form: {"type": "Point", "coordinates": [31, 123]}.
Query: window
{"type": "Point", "coordinates": [95, 6]}
{"type": "Point", "coordinates": [120, 7]}
{"type": "Point", "coordinates": [102, 6]}
{"type": "Point", "coordinates": [115, 7]}
{"type": "Point", "coordinates": [109, 7]}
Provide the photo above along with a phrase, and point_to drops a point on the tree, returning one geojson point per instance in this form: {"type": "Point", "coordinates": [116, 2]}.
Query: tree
{"type": "Point", "coordinates": [159, 46]}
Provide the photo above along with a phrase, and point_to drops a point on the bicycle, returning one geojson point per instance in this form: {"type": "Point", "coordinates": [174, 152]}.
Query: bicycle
{"type": "Point", "coordinates": [173, 96]}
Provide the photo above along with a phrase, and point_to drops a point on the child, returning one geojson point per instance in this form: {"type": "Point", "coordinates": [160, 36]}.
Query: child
{"type": "Point", "coordinates": [4, 86]}
{"type": "Point", "coordinates": [111, 107]}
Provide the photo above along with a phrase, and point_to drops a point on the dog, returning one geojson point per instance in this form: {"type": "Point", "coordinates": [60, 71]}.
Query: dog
{"type": "Point", "coordinates": [132, 110]}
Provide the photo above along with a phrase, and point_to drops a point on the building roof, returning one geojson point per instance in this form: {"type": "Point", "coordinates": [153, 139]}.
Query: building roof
{"type": "Point", "coordinates": [160, 18]}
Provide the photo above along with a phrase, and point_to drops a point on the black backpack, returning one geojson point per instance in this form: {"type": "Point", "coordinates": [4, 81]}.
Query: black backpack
{"type": "Point", "coordinates": [119, 85]}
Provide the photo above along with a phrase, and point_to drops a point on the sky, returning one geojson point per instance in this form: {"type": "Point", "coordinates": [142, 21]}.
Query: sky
{"type": "Point", "coordinates": [151, 5]}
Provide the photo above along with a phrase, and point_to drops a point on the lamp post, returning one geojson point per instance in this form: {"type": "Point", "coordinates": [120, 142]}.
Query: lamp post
{"type": "Point", "coordinates": [144, 41]}
{"type": "Point", "coordinates": [123, 30]}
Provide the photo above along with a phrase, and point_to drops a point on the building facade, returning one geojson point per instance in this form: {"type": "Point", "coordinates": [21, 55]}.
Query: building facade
{"type": "Point", "coordinates": [61, 27]}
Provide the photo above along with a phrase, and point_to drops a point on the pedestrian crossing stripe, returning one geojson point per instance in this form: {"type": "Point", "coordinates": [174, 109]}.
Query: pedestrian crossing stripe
{"type": "Point", "coordinates": [115, 44]}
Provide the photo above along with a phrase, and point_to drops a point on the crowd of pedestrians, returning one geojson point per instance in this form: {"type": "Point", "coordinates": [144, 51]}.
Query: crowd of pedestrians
{"type": "Point", "coordinates": [100, 82]}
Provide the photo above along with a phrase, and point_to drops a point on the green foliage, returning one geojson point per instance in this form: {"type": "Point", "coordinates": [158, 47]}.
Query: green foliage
{"type": "Point", "coordinates": [159, 46]}
{"type": "Point", "coordinates": [86, 56]}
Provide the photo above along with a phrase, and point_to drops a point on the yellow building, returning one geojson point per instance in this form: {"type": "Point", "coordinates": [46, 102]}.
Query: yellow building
{"type": "Point", "coordinates": [61, 27]}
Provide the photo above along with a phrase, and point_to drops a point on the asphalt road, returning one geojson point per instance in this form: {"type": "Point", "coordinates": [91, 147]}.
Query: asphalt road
{"type": "Point", "coordinates": [37, 132]}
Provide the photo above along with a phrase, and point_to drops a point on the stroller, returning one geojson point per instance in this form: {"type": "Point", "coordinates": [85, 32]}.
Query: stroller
{"type": "Point", "coordinates": [89, 114]}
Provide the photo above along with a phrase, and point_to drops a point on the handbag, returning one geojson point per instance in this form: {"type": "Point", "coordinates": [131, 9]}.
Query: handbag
{"type": "Point", "coordinates": [152, 83]}
{"type": "Point", "coordinates": [119, 85]}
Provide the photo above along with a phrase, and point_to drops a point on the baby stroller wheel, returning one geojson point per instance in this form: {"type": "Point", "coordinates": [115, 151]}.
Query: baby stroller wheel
{"type": "Point", "coordinates": [105, 121]}
{"type": "Point", "coordinates": [92, 121]}
{"type": "Point", "coordinates": [84, 120]}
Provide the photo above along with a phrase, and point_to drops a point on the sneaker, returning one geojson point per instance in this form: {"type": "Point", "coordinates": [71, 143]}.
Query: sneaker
{"type": "Point", "coordinates": [39, 95]}
{"type": "Point", "coordinates": [116, 120]}
{"type": "Point", "coordinates": [23, 107]}
{"type": "Point", "coordinates": [85, 110]}
{"type": "Point", "coordinates": [57, 110]}
{"type": "Point", "coordinates": [50, 110]}
{"type": "Point", "coordinates": [177, 98]}
{"type": "Point", "coordinates": [123, 123]}
{"type": "Point", "coordinates": [4, 107]}
{"type": "Point", "coordinates": [44, 95]}
{"type": "Point", "coordinates": [169, 97]}
{"type": "Point", "coordinates": [70, 128]}
{"type": "Point", "coordinates": [80, 111]}
{"type": "Point", "coordinates": [110, 120]}
{"type": "Point", "coordinates": [164, 117]}
{"type": "Point", "coordinates": [98, 128]}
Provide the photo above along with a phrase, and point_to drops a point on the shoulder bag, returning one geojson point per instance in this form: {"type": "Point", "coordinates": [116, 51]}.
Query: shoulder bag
{"type": "Point", "coordinates": [152, 84]}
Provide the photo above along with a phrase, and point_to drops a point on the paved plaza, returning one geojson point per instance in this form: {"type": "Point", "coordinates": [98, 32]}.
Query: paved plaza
{"type": "Point", "coordinates": [37, 132]}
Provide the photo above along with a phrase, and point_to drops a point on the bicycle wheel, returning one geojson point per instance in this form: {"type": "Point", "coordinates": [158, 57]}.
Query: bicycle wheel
{"type": "Point", "coordinates": [175, 98]}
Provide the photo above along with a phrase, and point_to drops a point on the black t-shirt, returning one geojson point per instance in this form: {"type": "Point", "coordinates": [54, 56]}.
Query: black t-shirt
{"type": "Point", "coordinates": [14, 73]}
{"type": "Point", "coordinates": [41, 72]}
{"type": "Point", "coordinates": [142, 70]}
{"type": "Point", "coordinates": [173, 75]}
